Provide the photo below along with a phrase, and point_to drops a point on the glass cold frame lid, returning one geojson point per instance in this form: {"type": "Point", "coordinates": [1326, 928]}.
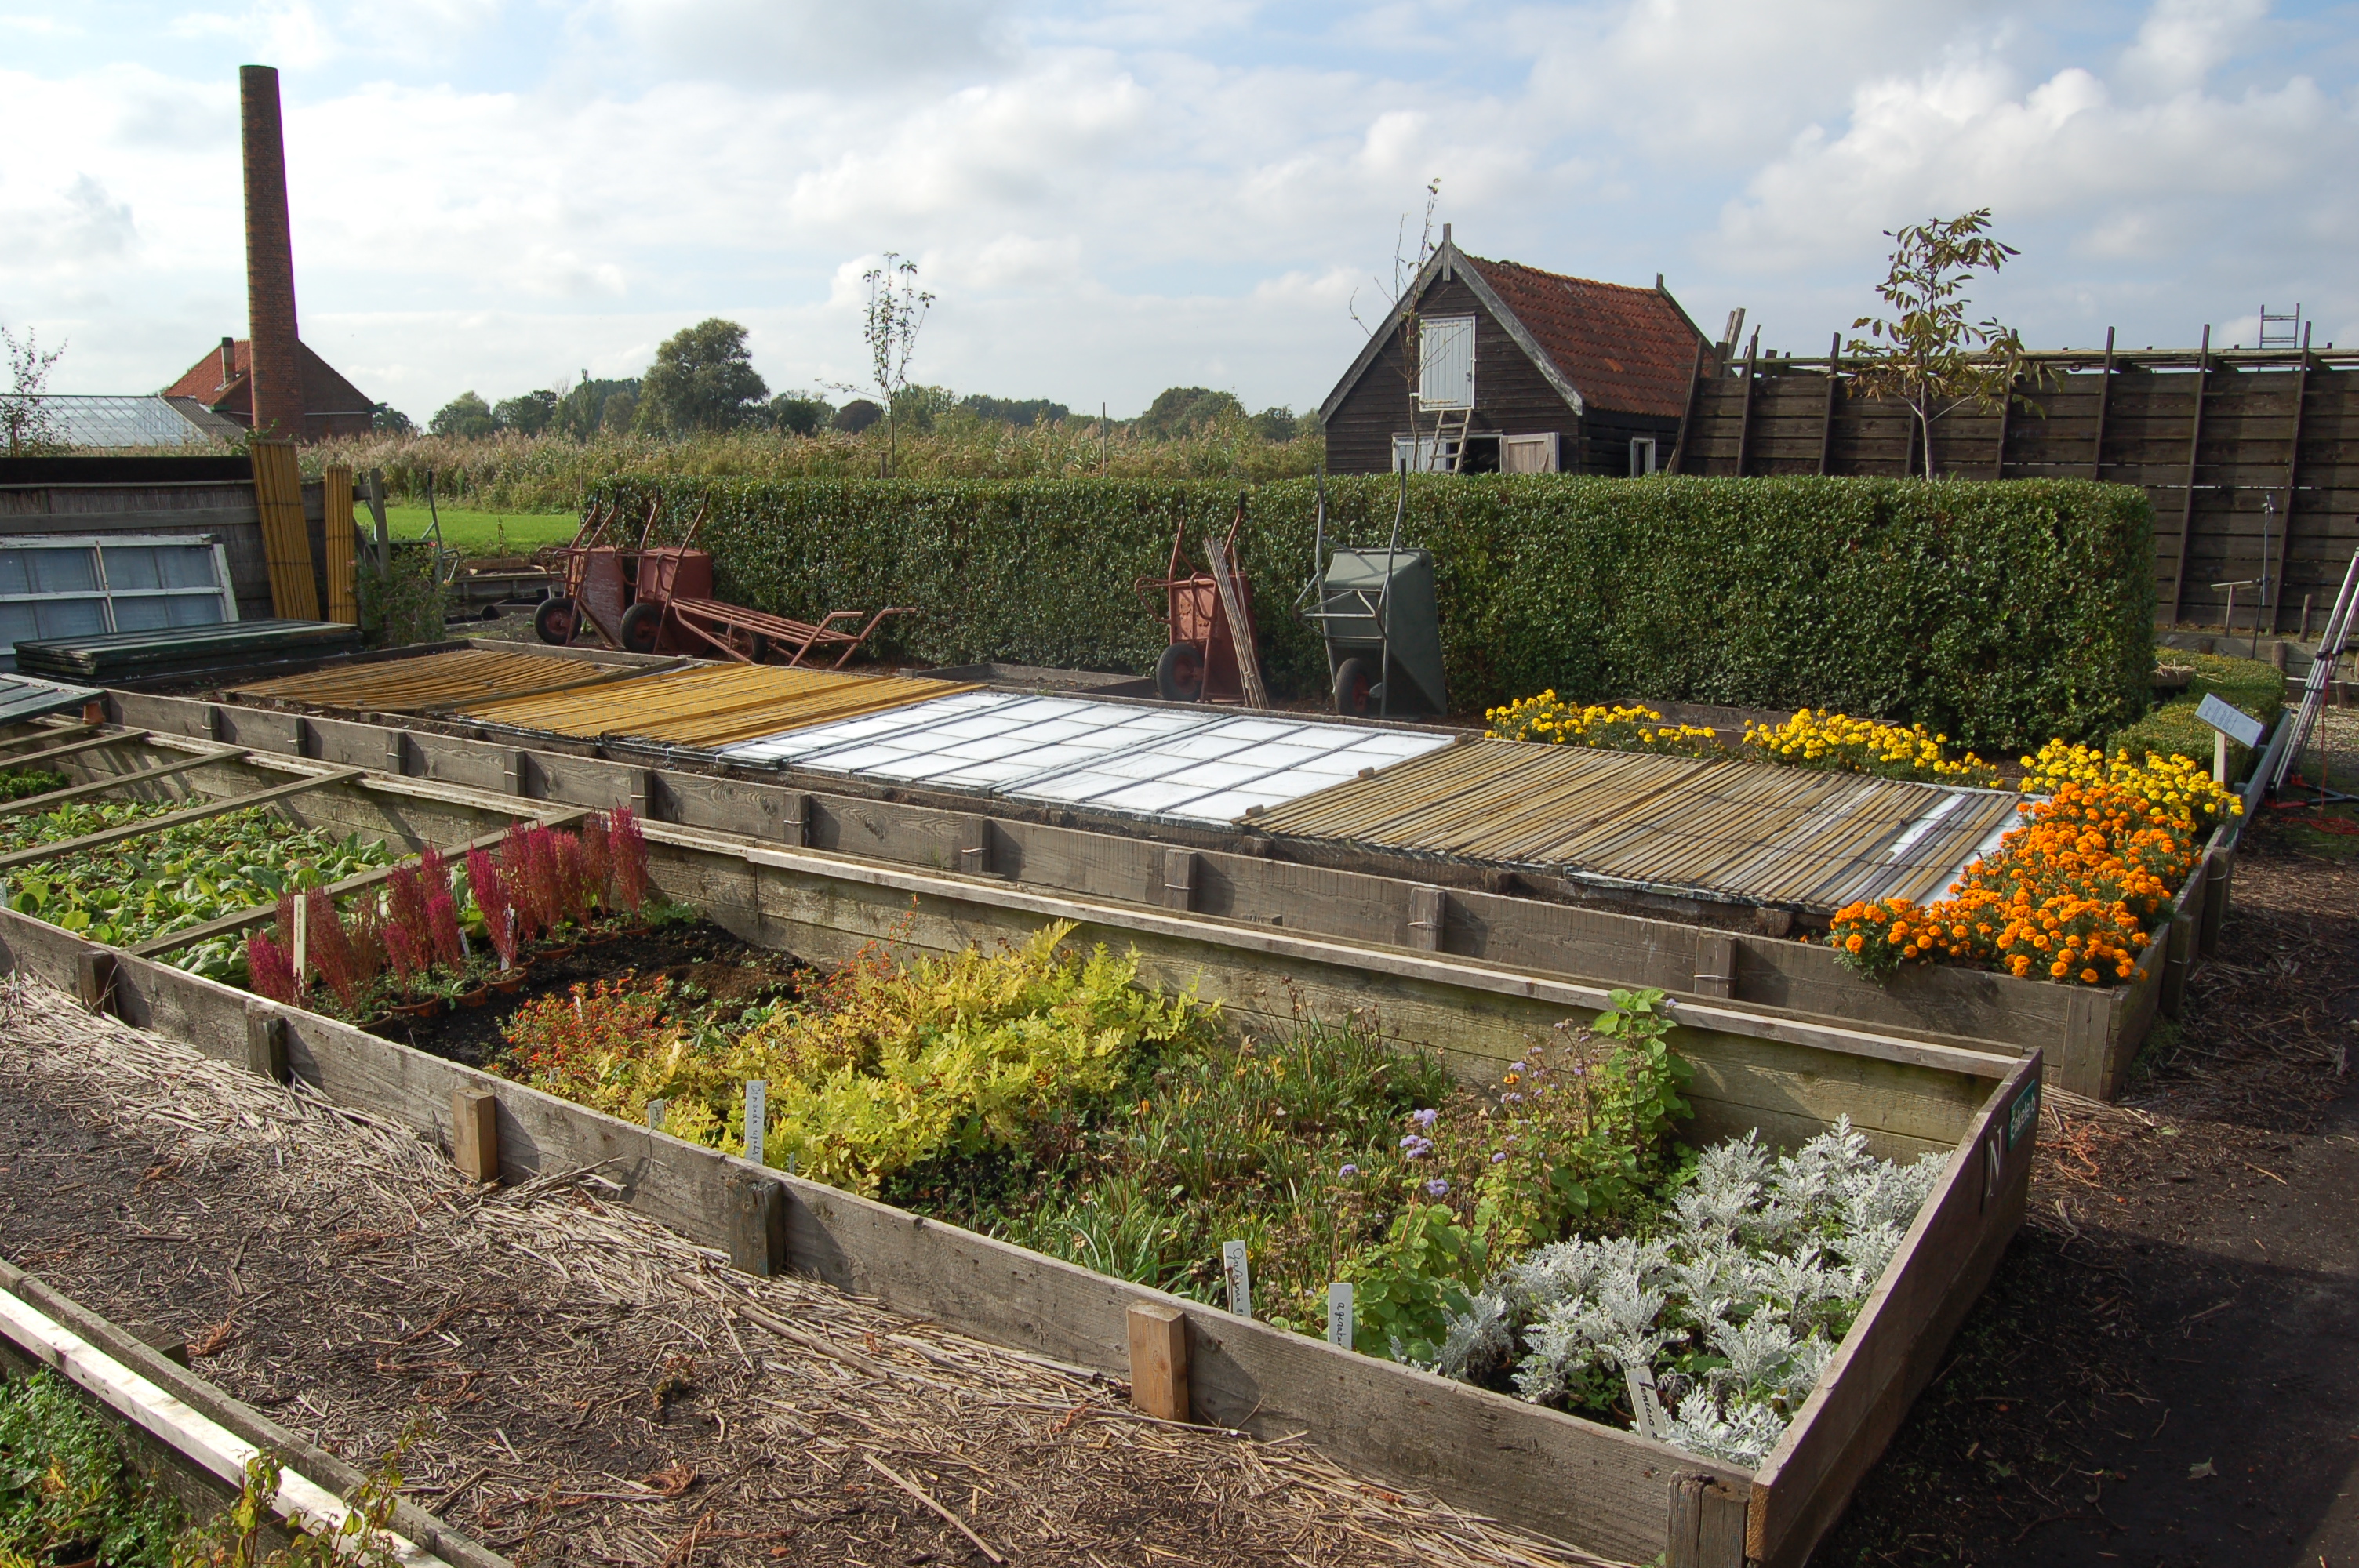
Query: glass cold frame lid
{"type": "Point", "coordinates": [1203, 767]}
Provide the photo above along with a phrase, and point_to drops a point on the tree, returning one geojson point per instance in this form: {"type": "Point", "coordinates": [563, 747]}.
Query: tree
{"type": "Point", "coordinates": [527, 413]}
{"type": "Point", "coordinates": [387, 420]}
{"type": "Point", "coordinates": [1021, 412]}
{"type": "Point", "coordinates": [855, 416]}
{"type": "Point", "coordinates": [466, 415]}
{"type": "Point", "coordinates": [1277, 424]}
{"type": "Point", "coordinates": [799, 413]}
{"type": "Point", "coordinates": [896, 309]}
{"type": "Point", "coordinates": [1408, 267]}
{"type": "Point", "coordinates": [703, 379]}
{"type": "Point", "coordinates": [1925, 353]}
{"type": "Point", "coordinates": [1184, 410]}
{"type": "Point", "coordinates": [27, 425]}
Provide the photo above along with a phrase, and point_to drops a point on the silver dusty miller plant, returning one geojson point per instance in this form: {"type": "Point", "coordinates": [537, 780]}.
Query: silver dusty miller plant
{"type": "Point", "coordinates": [1732, 1312]}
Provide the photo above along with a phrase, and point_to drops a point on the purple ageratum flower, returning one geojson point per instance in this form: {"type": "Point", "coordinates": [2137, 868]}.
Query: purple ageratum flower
{"type": "Point", "coordinates": [1417, 1147]}
{"type": "Point", "coordinates": [1349, 1171]}
{"type": "Point", "coordinates": [1424, 1118]}
{"type": "Point", "coordinates": [1511, 1097]}
{"type": "Point", "coordinates": [1437, 1188]}
{"type": "Point", "coordinates": [1502, 1154]}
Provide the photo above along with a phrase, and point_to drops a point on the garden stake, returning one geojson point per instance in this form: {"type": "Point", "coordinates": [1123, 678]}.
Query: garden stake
{"type": "Point", "coordinates": [1339, 1315]}
{"type": "Point", "coordinates": [655, 1115]}
{"type": "Point", "coordinates": [757, 1114]}
{"type": "Point", "coordinates": [1233, 1263]}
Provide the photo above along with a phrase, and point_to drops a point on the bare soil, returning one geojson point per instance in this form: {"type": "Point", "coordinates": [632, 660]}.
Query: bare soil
{"type": "Point", "coordinates": [2165, 1369]}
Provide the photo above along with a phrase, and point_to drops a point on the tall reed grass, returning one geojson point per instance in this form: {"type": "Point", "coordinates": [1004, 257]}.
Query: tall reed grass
{"type": "Point", "coordinates": [549, 473]}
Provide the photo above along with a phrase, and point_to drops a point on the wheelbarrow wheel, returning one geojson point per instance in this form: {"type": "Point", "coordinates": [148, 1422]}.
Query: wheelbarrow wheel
{"type": "Point", "coordinates": [1180, 673]}
{"type": "Point", "coordinates": [1353, 684]}
{"type": "Point", "coordinates": [642, 626]}
{"type": "Point", "coordinates": [555, 621]}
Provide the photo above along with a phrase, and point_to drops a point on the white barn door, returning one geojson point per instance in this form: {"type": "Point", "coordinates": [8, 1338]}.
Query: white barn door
{"type": "Point", "coordinates": [1446, 362]}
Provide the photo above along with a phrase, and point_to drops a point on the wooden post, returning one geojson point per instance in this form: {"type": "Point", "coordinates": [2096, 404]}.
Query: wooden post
{"type": "Point", "coordinates": [1428, 918]}
{"type": "Point", "coordinates": [216, 722]}
{"type": "Point", "coordinates": [2276, 573]}
{"type": "Point", "coordinates": [266, 1041]}
{"type": "Point", "coordinates": [975, 846]}
{"type": "Point", "coordinates": [2177, 954]}
{"type": "Point", "coordinates": [377, 514]}
{"type": "Point", "coordinates": [2194, 450]}
{"type": "Point", "coordinates": [2005, 407]}
{"type": "Point", "coordinates": [1707, 1525]}
{"type": "Point", "coordinates": [476, 1134]}
{"type": "Point", "coordinates": [795, 826]}
{"type": "Point", "coordinates": [94, 981]}
{"type": "Point", "coordinates": [643, 794]}
{"type": "Point", "coordinates": [1745, 408]}
{"type": "Point", "coordinates": [2219, 867]}
{"type": "Point", "coordinates": [1834, 391]}
{"type": "Point", "coordinates": [396, 752]}
{"type": "Point", "coordinates": [1240, 634]}
{"type": "Point", "coordinates": [1715, 964]}
{"type": "Point", "coordinates": [1178, 880]}
{"type": "Point", "coordinates": [1158, 1360]}
{"type": "Point", "coordinates": [2104, 400]}
{"type": "Point", "coordinates": [758, 1224]}
{"type": "Point", "coordinates": [1687, 413]}
{"type": "Point", "coordinates": [512, 774]}
{"type": "Point", "coordinates": [336, 497]}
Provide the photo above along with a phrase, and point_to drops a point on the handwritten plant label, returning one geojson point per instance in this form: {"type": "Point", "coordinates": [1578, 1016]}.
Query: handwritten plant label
{"type": "Point", "coordinates": [757, 1117]}
{"type": "Point", "coordinates": [1233, 1264]}
{"type": "Point", "coordinates": [1339, 1313]}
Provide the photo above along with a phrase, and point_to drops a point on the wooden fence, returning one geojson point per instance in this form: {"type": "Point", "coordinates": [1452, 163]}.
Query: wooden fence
{"type": "Point", "coordinates": [2251, 456]}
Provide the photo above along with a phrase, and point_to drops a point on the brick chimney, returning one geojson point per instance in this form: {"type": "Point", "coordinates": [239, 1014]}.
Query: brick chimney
{"type": "Point", "coordinates": [228, 361]}
{"type": "Point", "coordinates": [269, 260]}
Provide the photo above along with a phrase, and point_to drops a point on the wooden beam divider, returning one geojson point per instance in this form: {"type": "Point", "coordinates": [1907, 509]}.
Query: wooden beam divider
{"type": "Point", "coordinates": [59, 753]}
{"type": "Point", "coordinates": [47, 732]}
{"type": "Point", "coordinates": [57, 797]}
{"type": "Point", "coordinates": [176, 819]}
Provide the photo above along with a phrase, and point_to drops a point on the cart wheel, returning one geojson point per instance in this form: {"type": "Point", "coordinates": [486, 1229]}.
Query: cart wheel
{"type": "Point", "coordinates": [752, 645]}
{"type": "Point", "coordinates": [642, 626]}
{"type": "Point", "coordinates": [1180, 673]}
{"type": "Point", "coordinates": [1351, 687]}
{"type": "Point", "coordinates": [555, 622]}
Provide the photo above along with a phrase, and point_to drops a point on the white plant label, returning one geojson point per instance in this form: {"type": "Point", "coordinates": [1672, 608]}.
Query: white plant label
{"type": "Point", "coordinates": [757, 1117]}
{"type": "Point", "coordinates": [1339, 1313]}
{"type": "Point", "coordinates": [2244, 731]}
{"type": "Point", "coordinates": [656, 1108]}
{"type": "Point", "coordinates": [1233, 1264]}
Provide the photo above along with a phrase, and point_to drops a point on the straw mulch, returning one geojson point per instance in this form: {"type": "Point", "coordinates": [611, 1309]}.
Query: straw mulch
{"type": "Point", "coordinates": [579, 1386]}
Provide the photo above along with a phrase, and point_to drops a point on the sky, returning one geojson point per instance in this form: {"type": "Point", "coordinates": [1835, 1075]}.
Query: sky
{"type": "Point", "coordinates": [1107, 199]}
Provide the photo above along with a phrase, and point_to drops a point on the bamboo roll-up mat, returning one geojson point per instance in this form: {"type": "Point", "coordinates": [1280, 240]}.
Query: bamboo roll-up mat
{"type": "Point", "coordinates": [712, 704]}
{"type": "Point", "coordinates": [437, 681]}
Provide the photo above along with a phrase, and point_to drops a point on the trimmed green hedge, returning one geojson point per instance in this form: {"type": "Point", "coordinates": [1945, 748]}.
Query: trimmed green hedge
{"type": "Point", "coordinates": [2254, 688]}
{"type": "Point", "coordinates": [1999, 615]}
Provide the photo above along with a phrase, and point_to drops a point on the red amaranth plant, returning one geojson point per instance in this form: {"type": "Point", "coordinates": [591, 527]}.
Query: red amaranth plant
{"type": "Point", "coordinates": [446, 945]}
{"type": "Point", "coordinates": [330, 949]}
{"type": "Point", "coordinates": [528, 860]}
{"type": "Point", "coordinates": [628, 849]}
{"type": "Point", "coordinates": [406, 891]}
{"type": "Point", "coordinates": [597, 863]}
{"type": "Point", "coordinates": [365, 930]}
{"type": "Point", "coordinates": [270, 968]}
{"type": "Point", "coordinates": [572, 878]}
{"type": "Point", "coordinates": [491, 888]}
{"type": "Point", "coordinates": [401, 955]}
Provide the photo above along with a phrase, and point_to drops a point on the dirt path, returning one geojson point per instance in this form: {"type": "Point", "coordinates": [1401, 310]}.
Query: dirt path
{"type": "Point", "coordinates": [2166, 1369]}
{"type": "Point", "coordinates": [586, 1388]}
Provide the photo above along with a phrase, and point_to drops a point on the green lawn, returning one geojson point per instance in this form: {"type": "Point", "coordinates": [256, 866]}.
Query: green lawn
{"type": "Point", "coordinates": [484, 533]}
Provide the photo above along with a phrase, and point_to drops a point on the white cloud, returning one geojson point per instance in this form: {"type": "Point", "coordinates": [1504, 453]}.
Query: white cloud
{"type": "Point", "coordinates": [808, 41]}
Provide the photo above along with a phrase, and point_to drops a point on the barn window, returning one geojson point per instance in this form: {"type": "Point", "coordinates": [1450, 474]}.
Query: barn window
{"type": "Point", "coordinates": [52, 586]}
{"type": "Point", "coordinates": [1446, 362]}
{"type": "Point", "coordinates": [1642, 455]}
{"type": "Point", "coordinates": [1425, 454]}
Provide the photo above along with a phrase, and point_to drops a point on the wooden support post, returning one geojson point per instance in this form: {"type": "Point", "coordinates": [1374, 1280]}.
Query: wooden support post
{"type": "Point", "coordinates": [94, 981]}
{"type": "Point", "coordinates": [266, 1041]}
{"type": "Point", "coordinates": [2104, 400]}
{"type": "Point", "coordinates": [476, 1134]}
{"type": "Point", "coordinates": [1707, 1525]}
{"type": "Point", "coordinates": [2219, 867]}
{"type": "Point", "coordinates": [975, 846]}
{"type": "Point", "coordinates": [1240, 631]}
{"type": "Point", "coordinates": [1158, 1360]}
{"type": "Point", "coordinates": [2273, 590]}
{"type": "Point", "coordinates": [175, 819]}
{"type": "Point", "coordinates": [1428, 918]}
{"type": "Point", "coordinates": [2177, 956]}
{"type": "Point", "coordinates": [1178, 880]}
{"type": "Point", "coordinates": [1715, 964]}
{"type": "Point", "coordinates": [1687, 415]}
{"type": "Point", "coordinates": [643, 794]}
{"type": "Point", "coordinates": [216, 722]}
{"type": "Point", "coordinates": [758, 1224]}
{"type": "Point", "coordinates": [1745, 408]}
{"type": "Point", "coordinates": [1835, 393]}
{"type": "Point", "coordinates": [2005, 407]}
{"type": "Point", "coordinates": [796, 825]}
{"type": "Point", "coordinates": [2194, 451]}
{"type": "Point", "coordinates": [512, 771]}
{"type": "Point", "coordinates": [396, 752]}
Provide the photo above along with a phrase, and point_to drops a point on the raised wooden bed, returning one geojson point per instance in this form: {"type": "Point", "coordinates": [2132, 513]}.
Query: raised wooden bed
{"type": "Point", "coordinates": [2089, 1036]}
{"type": "Point", "coordinates": [192, 1439]}
{"type": "Point", "coordinates": [1603, 1490]}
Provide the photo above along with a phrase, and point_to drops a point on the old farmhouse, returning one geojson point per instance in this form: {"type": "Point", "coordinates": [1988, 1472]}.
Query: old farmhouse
{"type": "Point", "coordinates": [1518, 371]}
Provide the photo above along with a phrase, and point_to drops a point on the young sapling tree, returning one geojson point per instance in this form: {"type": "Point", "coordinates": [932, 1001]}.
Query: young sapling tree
{"type": "Point", "coordinates": [1925, 353]}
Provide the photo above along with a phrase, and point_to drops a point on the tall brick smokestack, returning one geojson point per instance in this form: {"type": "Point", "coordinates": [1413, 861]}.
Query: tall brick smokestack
{"type": "Point", "coordinates": [269, 259]}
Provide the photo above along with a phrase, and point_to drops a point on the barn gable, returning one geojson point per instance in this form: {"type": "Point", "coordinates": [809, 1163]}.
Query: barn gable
{"type": "Point", "coordinates": [1566, 372]}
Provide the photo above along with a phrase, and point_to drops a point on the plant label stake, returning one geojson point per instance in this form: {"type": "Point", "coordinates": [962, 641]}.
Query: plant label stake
{"type": "Point", "coordinates": [302, 937]}
{"type": "Point", "coordinates": [1339, 1315]}
{"type": "Point", "coordinates": [656, 1114]}
{"type": "Point", "coordinates": [758, 1116]}
{"type": "Point", "coordinates": [1233, 1264]}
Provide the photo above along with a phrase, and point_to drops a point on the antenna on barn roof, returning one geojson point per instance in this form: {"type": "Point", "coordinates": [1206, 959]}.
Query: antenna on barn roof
{"type": "Point", "coordinates": [1445, 233]}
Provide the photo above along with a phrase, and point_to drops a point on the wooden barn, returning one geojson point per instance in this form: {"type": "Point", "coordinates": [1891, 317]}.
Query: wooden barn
{"type": "Point", "coordinates": [1519, 370]}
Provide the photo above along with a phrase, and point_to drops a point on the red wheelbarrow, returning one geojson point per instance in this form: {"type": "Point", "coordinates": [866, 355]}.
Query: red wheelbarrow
{"type": "Point", "coordinates": [1210, 618]}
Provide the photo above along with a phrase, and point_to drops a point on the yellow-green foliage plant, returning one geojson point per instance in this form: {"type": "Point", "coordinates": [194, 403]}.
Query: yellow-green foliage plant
{"type": "Point", "coordinates": [1551, 721]}
{"type": "Point", "coordinates": [881, 1068]}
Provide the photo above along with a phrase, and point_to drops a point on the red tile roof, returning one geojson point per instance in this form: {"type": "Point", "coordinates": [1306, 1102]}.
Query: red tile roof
{"type": "Point", "coordinates": [325, 391]}
{"type": "Point", "coordinates": [1631, 350]}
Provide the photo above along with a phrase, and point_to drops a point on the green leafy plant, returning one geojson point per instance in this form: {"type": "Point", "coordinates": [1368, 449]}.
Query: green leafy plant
{"type": "Point", "coordinates": [68, 1493]}
{"type": "Point", "coordinates": [233, 1537]}
{"type": "Point", "coordinates": [18, 782]}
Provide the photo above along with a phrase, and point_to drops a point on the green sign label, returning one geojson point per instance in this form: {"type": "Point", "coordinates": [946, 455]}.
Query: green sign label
{"type": "Point", "coordinates": [2023, 1113]}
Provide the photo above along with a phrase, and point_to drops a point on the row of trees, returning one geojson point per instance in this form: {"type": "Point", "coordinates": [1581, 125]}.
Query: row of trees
{"type": "Point", "coordinates": [703, 380]}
